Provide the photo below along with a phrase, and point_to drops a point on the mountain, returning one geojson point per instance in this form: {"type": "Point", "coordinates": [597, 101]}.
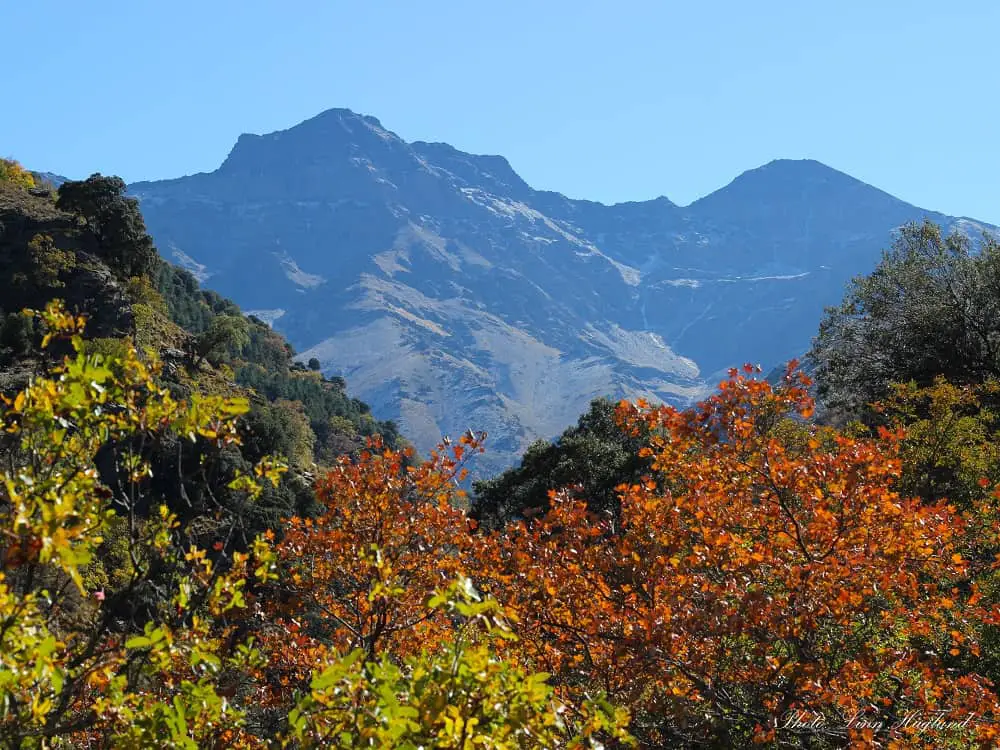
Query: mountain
{"type": "Point", "coordinates": [452, 295]}
{"type": "Point", "coordinates": [50, 178]}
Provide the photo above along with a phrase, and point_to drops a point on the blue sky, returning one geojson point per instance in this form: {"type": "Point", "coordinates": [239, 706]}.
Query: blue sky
{"type": "Point", "coordinates": [604, 100]}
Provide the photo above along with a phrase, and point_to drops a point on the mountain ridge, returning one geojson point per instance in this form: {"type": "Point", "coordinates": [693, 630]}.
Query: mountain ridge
{"type": "Point", "coordinates": [345, 113]}
{"type": "Point", "coordinates": [452, 294]}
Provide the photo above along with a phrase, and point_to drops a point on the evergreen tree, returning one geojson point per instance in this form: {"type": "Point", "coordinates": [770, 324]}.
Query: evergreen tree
{"type": "Point", "coordinates": [115, 221]}
{"type": "Point", "coordinates": [931, 307]}
{"type": "Point", "coordinates": [594, 457]}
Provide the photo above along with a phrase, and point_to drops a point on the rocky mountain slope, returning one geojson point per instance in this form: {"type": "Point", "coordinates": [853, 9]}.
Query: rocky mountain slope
{"type": "Point", "coordinates": [452, 295]}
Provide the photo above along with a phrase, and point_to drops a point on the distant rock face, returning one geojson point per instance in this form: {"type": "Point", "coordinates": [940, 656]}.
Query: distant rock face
{"type": "Point", "coordinates": [452, 295]}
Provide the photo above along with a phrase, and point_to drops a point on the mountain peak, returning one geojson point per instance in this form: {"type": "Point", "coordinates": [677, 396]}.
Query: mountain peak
{"type": "Point", "coordinates": [338, 116]}
{"type": "Point", "coordinates": [791, 185]}
{"type": "Point", "coordinates": [331, 136]}
{"type": "Point", "coordinates": [799, 164]}
{"type": "Point", "coordinates": [801, 171]}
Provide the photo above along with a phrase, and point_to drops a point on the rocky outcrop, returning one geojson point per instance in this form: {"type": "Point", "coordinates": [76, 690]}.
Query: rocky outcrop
{"type": "Point", "coordinates": [84, 282]}
{"type": "Point", "coordinates": [95, 290]}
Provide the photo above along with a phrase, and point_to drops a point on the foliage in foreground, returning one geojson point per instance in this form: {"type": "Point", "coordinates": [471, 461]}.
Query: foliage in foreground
{"type": "Point", "coordinates": [763, 568]}
{"type": "Point", "coordinates": [458, 696]}
{"type": "Point", "coordinates": [719, 570]}
{"type": "Point", "coordinates": [80, 538]}
{"type": "Point", "coordinates": [70, 666]}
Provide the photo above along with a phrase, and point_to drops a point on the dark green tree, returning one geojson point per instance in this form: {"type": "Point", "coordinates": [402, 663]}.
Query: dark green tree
{"type": "Point", "coordinates": [314, 364]}
{"type": "Point", "coordinates": [115, 220]}
{"type": "Point", "coordinates": [16, 333]}
{"type": "Point", "coordinates": [931, 307]}
{"type": "Point", "coordinates": [226, 333]}
{"type": "Point", "coordinates": [591, 458]}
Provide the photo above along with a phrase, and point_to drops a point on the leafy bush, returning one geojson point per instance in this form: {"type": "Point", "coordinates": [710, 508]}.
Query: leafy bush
{"type": "Point", "coordinates": [49, 264]}
{"type": "Point", "coordinates": [12, 173]}
{"type": "Point", "coordinates": [66, 668]}
{"type": "Point", "coordinates": [455, 696]}
{"type": "Point", "coordinates": [16, 333]}
{"type": "Point", "coordinates": [107, 348]}
{"type": "Point", "coordinates": [225, 335]}
{"type": "Point", "coordinates": [141, 291]}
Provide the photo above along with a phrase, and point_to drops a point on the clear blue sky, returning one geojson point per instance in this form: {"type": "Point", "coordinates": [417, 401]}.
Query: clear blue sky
{"type": "Point", "coordinates": [611, 101]}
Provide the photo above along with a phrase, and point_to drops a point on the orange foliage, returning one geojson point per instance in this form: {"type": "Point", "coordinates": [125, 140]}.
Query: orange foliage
{"type": "Point", "coordinates": [360, 574]}
{"type": "Point", "coordinates": [753, 575]}
{"type": "Point", "coordinates": [765, 582]}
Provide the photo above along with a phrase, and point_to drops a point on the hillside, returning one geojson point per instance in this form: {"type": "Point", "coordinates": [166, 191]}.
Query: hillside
{"type": "Point", "coordinates": [452, 295]}
{"type": "Point", "coordinates": [87, 259]}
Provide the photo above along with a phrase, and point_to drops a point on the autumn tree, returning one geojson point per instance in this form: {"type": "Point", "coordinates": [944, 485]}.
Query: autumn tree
{"type": "Point", "coordinates": [75, 544]}
{"type": "Point", "coordinates": [754, 576]}
{"type": "Point", "coordinates": [358, 575]}
{"type": "Point", "coordinates": [12, 173]}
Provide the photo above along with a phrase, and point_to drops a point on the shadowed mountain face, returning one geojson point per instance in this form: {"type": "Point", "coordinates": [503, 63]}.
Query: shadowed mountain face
{"type": "Point", "coordinates": [452, 296]}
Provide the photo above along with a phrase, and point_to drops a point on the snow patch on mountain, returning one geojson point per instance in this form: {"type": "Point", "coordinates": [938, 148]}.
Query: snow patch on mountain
{"type": "Point", "coordinates": [641, 349]}
{"type": "Point", "coordinates": [513, 209]}
{"type": "Point", "coordinates": [776, 277]}
{"type": "Point", "coordinates": [423, 322]}
{"type": "Point", "coordinates": [692, 283]}
{"type": "Point", "coordinates": [268, 316]}
{"type": "Point", "coordinates": [296, 275]}
{"type": "Point", "coordinates": [974, 230]}
{"type": "Point", "coordinates": [198, 270]}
